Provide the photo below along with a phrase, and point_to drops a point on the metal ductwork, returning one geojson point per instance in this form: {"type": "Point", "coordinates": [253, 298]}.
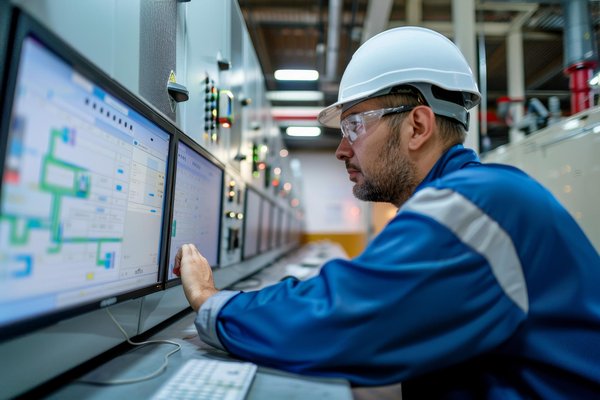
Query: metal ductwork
{"type": "Point", "coordinates": [333, 39]}
{"type": "Point", "coordinates": [581, 54]}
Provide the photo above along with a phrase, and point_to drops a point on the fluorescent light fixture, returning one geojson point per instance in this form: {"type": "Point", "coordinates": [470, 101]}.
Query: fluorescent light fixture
{"type": "Point", "coordinates": [572, 124]}
{"type": "Point", "coordinates": [295, 95]}
{"type": "Point", "coordinates": [296, 114]}
{"type": "Point", "coordinates": [296, 75]}
{"type": "Point", "coordinates": [303, 131]}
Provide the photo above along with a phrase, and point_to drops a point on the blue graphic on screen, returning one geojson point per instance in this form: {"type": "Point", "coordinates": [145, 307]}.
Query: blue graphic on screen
{"type": "Point", "coordinates": [82, 192]}
{"type": "Point", "coordinates": [196, 206]}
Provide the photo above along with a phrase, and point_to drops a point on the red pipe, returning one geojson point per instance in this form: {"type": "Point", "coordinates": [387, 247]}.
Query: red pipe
{"type": "Point", "coordinates": [581, 93]}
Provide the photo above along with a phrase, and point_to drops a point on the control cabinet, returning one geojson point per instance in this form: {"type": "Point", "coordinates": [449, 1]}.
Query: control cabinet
{"type": "Point", "coordinates": [233, 219]}
{"type": "Point", "coordinates": [564, 158]}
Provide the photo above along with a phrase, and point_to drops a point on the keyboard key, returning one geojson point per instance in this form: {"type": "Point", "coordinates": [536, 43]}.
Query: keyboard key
{"type": "Point", "coordinates": [209, 379]}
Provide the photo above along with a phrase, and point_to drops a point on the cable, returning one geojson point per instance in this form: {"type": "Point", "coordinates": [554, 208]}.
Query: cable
{"type": "Point", "coordinates": [142, 378]}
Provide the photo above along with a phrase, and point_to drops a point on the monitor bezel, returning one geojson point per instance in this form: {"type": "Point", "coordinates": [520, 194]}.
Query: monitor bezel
{"type": "Point", "coordinates": [270, 206]}
{"type": "Point", "coordinates": [7, 21]}
{"type": "Point", "coordinates": [192, 144]}
{"type": "Point", "coordinates": [277, 225]}
{"type": "Point", "coordinates": [24, 27]}
{"type": "Point", "coordinates": [244, 228]}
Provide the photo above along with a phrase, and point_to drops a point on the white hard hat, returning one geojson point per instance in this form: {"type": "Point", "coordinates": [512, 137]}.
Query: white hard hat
{"type": "Point", "coordinates": [408, 56]}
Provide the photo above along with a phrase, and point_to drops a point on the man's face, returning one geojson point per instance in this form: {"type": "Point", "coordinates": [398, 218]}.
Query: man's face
{"type": "Point", "coordinates": [377, 161]}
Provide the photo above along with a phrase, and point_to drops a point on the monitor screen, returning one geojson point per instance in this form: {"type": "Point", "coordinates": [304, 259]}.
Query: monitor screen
{"type": "Point", "coordinates": [285, 228]}
{"type": "Point", "coordinates": [276, 227]}
{"type": "Point", "coordinates": [266, 215]}
{"type": "Point", "coordinates": [83, 188]}
{"type": "Point", "coordinates": [251, 224]}
{"type": "Point", "coordinates": [196, 205]}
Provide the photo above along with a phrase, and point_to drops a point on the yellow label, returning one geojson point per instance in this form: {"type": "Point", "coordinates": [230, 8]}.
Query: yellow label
{"type": "Point", "coordinates": [172, 78]}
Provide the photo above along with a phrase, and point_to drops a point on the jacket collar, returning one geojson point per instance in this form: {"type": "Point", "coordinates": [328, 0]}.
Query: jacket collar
{"type": "Point", "coordinates": [455, 158]}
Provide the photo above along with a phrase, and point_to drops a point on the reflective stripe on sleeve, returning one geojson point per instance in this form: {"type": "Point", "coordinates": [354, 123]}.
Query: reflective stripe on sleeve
{"type": "Point", "coordinates": [478, 231]}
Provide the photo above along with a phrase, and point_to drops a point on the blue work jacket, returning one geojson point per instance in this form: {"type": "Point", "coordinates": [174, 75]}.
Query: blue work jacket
{"type": "Point", "coordinates": [481, 286]}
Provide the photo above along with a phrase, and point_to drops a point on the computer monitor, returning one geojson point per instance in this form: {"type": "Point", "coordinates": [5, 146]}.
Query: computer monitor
{"type": "Point", "coordinates": [196, 204]}
{"type": "Point", "coordinates": [285, 228]}
{"type": "Point", "coordinates": [251, 224]}
{"type": "Point", "coordinates": [84, 168]}
{"type": "Point", "coordinates": [5, 25]}
{"type": "Point", "coordinates": [276, 227]}
{"type": "Point", "coordinates": [266, 215]}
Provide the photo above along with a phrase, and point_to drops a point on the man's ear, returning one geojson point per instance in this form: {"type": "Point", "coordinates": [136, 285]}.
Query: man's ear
{"type": "Point", "coordinates": [424, 125]}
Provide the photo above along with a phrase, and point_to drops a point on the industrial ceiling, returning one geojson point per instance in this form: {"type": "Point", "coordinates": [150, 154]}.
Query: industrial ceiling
{"type": "Point", "coordinates": [299, 34]}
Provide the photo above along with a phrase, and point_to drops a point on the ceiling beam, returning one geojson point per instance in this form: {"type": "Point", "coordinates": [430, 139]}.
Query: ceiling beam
{"type": "Point", "coordinates": [513, 6]}
{"type": "Point", "coordinates": [491, 29]}
{"type": "Point", "coordinates": [495, 94]}
{"type": "Point", "coordinates": [260, 44]}
{"type": "Point", "coordinates": [552, 69]}
{"type": "Point", "coordinates": [523, 16]}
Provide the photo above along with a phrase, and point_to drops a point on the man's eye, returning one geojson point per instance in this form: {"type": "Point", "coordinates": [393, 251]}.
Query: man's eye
{"type": "Point", "coordinates": [356, 125]}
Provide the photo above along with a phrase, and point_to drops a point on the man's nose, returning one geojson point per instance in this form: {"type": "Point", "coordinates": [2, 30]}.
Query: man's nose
{"type": "Point", "coordinates": [344, 150]}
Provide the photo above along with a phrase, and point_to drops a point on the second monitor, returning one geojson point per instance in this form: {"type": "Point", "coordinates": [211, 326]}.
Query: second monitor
{"type": "Point", "coordinates": [196, 205]}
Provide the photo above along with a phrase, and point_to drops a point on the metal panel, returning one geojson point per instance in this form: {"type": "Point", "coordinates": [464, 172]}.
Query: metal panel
{"type": "Point", "coordinates": [564, 158]}
{"type": "Point", "coordinates": [205, 42]}
{"type": "Point", "coordinates": [104, 31]}
{"type": "Point", "coordinates": [157, 51]}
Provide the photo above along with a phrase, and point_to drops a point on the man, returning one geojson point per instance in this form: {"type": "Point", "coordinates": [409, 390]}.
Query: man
{"type": "Point", "coordinates": [482, 285]}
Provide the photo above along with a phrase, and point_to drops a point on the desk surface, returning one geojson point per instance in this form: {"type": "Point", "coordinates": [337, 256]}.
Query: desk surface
{"type": "Point", "coordinates": [268, 383]}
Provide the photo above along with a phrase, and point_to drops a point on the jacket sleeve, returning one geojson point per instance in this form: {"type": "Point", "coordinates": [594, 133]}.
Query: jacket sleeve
{"type": "Point", "coordinates": [422, 296]}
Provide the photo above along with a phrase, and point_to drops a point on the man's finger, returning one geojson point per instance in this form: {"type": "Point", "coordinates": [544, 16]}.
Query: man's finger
{"type": "Point", "coordinates": [186, 250]}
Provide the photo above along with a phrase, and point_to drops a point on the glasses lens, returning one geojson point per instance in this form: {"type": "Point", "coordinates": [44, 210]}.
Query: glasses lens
{"type": "Point", "coordinates": [355, 125]}
{"type": "Point", "coordinates": [352, 127]}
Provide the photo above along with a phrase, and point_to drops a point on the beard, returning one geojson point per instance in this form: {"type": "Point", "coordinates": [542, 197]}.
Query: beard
{"type": "Point", "coordinates": [392, 182]}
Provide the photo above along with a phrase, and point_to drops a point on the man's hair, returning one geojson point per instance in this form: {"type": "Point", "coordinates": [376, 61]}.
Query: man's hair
{"type": "Point", "coordinates": [451, 132]}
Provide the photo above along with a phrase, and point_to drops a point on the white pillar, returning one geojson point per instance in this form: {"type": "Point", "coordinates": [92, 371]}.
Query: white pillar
{"type": "Point", "coordinates": [463, 21]}
{"type": "Point", "coordinates": [414, 12]}
{"type": "Point", "coordinates": [516, 79]}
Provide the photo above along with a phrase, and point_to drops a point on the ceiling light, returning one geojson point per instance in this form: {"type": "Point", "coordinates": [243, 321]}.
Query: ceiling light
{"type": "Point", "coordinates": [571, 124]}
{"type": "Point", "coordinates": [295, 95]}
{"type": "Point", "coordinates": [308, 115]}
{"type": "Point", "coordinates": [305, 131]}
{"type": "Point", "coordinates": [296, 75]}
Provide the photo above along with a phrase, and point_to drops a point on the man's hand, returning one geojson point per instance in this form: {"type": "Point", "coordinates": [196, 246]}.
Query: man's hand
{"type": "Point", "coordinates": [196, 275]}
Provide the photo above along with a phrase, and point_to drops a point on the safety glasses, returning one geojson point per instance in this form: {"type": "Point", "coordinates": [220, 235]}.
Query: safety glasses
{"type": "Point", "coordinates": [355, 125]}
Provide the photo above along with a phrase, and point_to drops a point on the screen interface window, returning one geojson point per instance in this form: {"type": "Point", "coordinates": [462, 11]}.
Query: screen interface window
{"type": "Point", "coordinates": [197, 206]}
{"type": "Point", "coordinates": [82, 195]}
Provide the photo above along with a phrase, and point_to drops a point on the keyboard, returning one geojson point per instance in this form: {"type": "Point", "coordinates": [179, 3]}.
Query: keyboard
{"type": "Point", "coordinates": [209, 379]}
